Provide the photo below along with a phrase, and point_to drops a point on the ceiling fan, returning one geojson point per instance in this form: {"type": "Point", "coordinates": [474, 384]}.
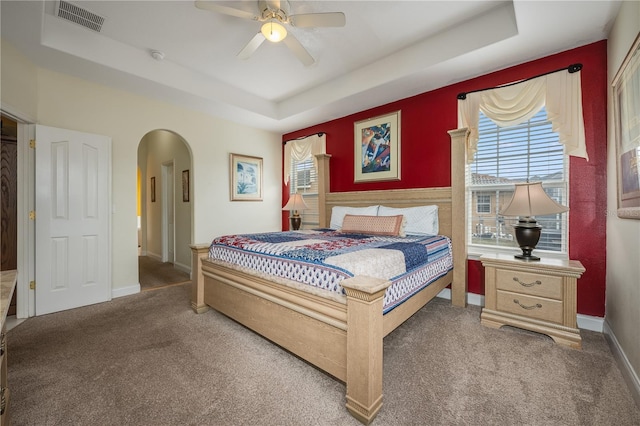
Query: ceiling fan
{"type": "Point", "coordinates": [275, 14]}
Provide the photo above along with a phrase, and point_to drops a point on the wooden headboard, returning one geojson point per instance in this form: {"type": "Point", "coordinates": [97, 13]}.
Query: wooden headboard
{"type": "Point", "coordinates": [450, 201]}
{"type": "Point", "coordinates": [395, 198]}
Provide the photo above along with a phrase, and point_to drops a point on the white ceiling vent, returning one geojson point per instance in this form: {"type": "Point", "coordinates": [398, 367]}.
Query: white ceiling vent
{"type": "Point", "coordinates": [78, 15]}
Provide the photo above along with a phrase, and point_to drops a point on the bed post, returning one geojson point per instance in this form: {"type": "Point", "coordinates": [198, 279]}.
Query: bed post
{"type": "Point", "coordinates": [458, 216]}
{"type": "Point", "coordinates": [323, 188]}
{"type": "Point", "coordinates": [198, 252]}
{"type": "Point", "coordinates": [364, 345]}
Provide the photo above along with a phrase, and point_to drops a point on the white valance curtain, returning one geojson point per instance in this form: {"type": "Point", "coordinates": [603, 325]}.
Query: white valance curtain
{"type": "Point", "coordinates": [514, 104]}
{"type": "Point", "coordinates": [302, 149]}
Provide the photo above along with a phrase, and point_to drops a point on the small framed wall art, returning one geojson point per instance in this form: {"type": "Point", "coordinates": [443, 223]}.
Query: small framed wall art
{"type": "Point", "coordinates": [185, 186]}
{"type": "Point", "coordinates": [246, 178]}
{"type": "Point", "coordinates": [153, 189]}
{"type": "Point", "coordinates": [377, 148]}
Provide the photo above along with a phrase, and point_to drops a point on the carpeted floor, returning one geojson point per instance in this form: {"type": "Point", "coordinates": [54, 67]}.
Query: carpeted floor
{"type": "Point", "coordinates": [155, 274]}
{"type": "Point", "coordinates": [148, 359]}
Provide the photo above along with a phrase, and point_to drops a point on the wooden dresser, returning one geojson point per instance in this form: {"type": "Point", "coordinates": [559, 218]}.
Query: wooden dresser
{"type": "Point", "coordinates": [535, 295]}
{"type": "Point", "coordinates": [7, 287]}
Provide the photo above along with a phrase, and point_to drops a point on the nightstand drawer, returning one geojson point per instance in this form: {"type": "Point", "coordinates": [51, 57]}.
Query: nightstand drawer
{"type": "Point", "coordinates": [530, 306]}
{"type": "Point", "coordinates": [529, 283]}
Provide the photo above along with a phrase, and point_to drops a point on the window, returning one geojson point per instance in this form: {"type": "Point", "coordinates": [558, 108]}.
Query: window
{"type": "Point", "coordinates": [303, 177]}
{"type": "Point", "coordinates": [483, 202]}
{"type": "Point", "coordinates": [301, 174]}
{"type": "Point", "coordinates": [528, 152]}
{"type": "Point", "coordinates": [303, 180]}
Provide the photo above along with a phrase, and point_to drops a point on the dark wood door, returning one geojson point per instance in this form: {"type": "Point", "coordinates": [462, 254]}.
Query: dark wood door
{"type": "Point", "coordinates": [8, 204]}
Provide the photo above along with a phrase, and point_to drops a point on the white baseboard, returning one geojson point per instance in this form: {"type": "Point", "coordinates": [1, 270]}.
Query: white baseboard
{"type": "Point", "coordinates": [585, 322]}
{"type": "Point", "coordinates": [475, 299]}
{"type": "Point", "coordinates": [472, 298]}
{"type": "Point", "coordinates": [445, 294]}
{"type": "Point", "coordinates": [182, 267]}
{"type": "Point", "coordinates": [154, 256]}
{"type": "Point", "coordinates": [629, 374]}
{"type": "Point", "coordinates": [125, 291]}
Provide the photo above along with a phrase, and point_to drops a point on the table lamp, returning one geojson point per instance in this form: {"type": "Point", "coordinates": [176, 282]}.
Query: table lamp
{"type": "Point", "coordinates": [529, 199]}
{"type": "Point", "coordinates": [294, 205]}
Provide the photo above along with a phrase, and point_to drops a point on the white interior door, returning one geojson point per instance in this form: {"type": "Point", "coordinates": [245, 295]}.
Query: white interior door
{"type": "Point", "coordinates": [73, 222]}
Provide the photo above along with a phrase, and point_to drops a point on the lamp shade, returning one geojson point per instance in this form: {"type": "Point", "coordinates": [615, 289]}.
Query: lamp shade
{"type": "Point", "coordinates": [296, 202]}
{"type": "Point", "coordinates": [529, 199]}
{"type": "Point", "coordinates": [273, 31]}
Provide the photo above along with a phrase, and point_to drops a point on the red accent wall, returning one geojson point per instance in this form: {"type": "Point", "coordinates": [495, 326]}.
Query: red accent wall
{"type": "Point", "coordinates": [425, 155]}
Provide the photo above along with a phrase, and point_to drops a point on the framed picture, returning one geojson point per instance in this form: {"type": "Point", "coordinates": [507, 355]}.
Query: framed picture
{"type": "Point", "coordinates": [246, 178]}
{"type": "Point", "coordinates": [377, 148]}
{"type": "Point", "coordinates": [153, 189]}
{"type": "Point", "coordinates": [626, 112]}
{"type": "Point", "coordinates": [185, 186]}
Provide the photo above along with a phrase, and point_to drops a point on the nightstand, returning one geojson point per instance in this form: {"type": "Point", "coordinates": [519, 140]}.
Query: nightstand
{"type": "Point", "coordinates": [535, 295]}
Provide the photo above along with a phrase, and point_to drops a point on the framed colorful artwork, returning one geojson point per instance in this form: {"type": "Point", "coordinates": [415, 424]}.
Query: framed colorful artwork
{"type": "Point", "coordinates": [246, 178]}
{"type": "Point", "coordinates": [377, 148]}
{"type": "Point", "coordinates": [626, 112]}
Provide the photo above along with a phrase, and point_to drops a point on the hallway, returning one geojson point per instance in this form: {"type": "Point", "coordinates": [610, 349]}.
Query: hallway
{"type": "Point", "coordinates": [155, 274]}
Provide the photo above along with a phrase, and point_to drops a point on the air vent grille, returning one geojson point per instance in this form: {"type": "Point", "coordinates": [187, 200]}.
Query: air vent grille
{"type": "Point", "coordinates": [80, 16]}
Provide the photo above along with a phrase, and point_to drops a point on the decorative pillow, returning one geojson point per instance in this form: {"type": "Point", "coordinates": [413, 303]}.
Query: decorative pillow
{"type": "Point", "coordinates": [421, 220]}
{"type": "Point", "coordinates": [338, 212]}
{"type": "Point", "coordinates": [374, 225]}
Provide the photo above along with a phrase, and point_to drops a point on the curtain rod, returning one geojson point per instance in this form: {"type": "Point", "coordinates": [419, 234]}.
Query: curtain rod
{"type": "Point", "coordinates": [571, 68]}
{"type": "Point", "coordinates": [303, 137]}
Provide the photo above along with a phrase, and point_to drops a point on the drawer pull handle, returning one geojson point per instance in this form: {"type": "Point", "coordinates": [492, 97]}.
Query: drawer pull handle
{"type": "Point", "coordinates": [537, 282]}
{"type": "Point", "coordinates": [528, 308]}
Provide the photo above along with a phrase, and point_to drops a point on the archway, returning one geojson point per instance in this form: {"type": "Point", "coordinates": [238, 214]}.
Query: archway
{"type": "Point", "coordinates": [165, 212]}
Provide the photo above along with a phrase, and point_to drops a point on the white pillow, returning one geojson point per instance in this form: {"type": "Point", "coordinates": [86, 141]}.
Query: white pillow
{"type": "Point", "coordinates": [338, 212]}
{"type": "Point", "coordinates": [421, 220]}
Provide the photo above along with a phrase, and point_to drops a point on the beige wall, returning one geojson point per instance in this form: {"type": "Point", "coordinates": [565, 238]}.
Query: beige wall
{"type": "Point", "coordinates": [18, 85]}
{"type": "Point", "coordinates": [68, 102]}
{"type": "Point", "coordinates": [622, 315]}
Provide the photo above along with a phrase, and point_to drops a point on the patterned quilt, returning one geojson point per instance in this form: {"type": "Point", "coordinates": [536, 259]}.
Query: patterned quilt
{"type": "Point", "coordinates": [323, 258]}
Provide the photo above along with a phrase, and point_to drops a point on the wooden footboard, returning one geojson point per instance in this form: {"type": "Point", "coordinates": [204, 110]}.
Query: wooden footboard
{"type": "Point", "coordinates": [343, 339]}
{"type": "Point", "coordinates": [310, 326]}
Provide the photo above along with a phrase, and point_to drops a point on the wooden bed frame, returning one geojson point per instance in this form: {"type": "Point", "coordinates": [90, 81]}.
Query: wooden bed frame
{"type": "Point", "coordinates": [345, 340]}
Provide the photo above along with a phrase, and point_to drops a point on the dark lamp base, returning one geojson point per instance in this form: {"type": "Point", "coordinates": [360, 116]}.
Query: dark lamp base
{"type": "Point", "coordinates": [526, 257]}
{"type": "Point", "coordinates": [527, 236]}
{"type": "Point", "coordinates": [296, 221]}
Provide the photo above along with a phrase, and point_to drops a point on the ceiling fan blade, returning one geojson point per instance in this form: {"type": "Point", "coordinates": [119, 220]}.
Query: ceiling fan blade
{"type": "Point", "coordinates": [330, 19]}
{"type": "Point", "coordinates": [298, 49]}
{"type": "Point", "coordinates": [252, 46]}
{"type": "Point", "coordinates": [273, 4]}
{"type": "Point", "coordinates": [225, 10]}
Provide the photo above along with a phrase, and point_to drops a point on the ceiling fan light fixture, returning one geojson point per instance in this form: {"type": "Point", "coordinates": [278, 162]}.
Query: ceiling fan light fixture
{"type": "Point", "coordinates": [273, 31]}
